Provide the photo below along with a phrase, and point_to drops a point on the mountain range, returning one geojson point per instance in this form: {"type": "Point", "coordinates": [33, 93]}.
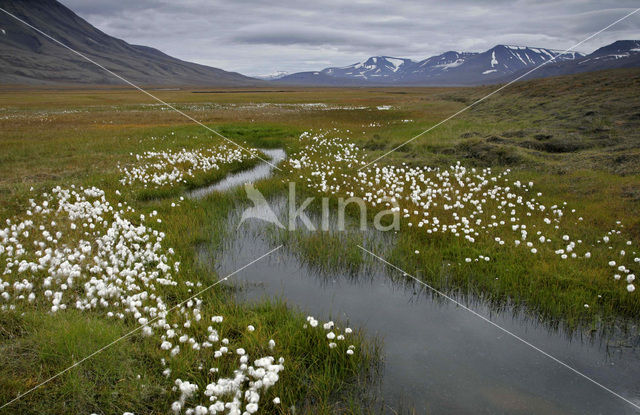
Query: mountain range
{"type": "Point", "coordinates": [501, 63]}
{"type": "Point", "coordinates": [28, 57]}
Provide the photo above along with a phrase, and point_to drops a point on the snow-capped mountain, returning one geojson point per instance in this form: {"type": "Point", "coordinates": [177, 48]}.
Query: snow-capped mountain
{"type": "Point", "coordinates": [495, 63]}
{"type": "Point", "coordinates": [375, 68]}
{"type": "Point", "coordinates": [498, 64]}
{"type": "Point", "coordinates": [619, 54]}
{"type": "Point", "coordinates": [442, 63]}
{"type": "Point", "coordinates": [272, 76]}
{"type": "Point", "coordinates": [508, 58]}
{"type": "Point", "coordinates": [617, 50]}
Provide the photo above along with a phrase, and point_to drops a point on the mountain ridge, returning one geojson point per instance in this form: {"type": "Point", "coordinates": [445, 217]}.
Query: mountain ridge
{"type": "Point", "coordinates": [27, 57]}
{"type": "Point", "coordinates": [619, 54]}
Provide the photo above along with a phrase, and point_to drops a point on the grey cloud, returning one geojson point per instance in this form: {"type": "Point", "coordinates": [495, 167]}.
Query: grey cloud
{"type": "Point", "coordinates": [261, 36]}
{"type": "Point", "coordinates": [313, 36]}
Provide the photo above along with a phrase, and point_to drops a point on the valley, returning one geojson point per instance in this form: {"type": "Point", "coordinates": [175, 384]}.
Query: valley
{"type": "Point", "coordinates": [516, 209]}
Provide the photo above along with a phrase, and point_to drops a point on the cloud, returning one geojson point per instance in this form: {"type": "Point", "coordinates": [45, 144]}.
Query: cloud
{"type": "Point", "coordinates": [314, 36]}
{"type": "Point", "coordinates": [260, 36]}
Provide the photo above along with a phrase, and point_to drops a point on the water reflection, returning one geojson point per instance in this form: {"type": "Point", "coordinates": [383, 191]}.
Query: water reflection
{"type": "Point", "coordinates": [438, 358]}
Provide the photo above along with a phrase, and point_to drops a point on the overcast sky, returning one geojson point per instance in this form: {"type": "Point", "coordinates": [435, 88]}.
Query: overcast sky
{"type": "Point", "coordinates": [260, 37]}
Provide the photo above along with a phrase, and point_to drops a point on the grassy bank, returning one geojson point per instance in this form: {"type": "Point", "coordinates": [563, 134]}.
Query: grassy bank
{"type": "Point", "coordinates": [37, 344]}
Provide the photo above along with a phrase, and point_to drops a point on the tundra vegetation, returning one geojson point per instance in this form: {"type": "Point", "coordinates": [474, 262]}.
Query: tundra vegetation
{"type": "Point", "coordinates": [530, 198]}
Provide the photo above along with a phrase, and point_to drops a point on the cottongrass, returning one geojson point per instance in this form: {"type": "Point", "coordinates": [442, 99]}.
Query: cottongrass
{"type": "Point", "coordinates": [333, 333]}
{"type": "Point", "coordinates": [161, 168]}
{"type": "Point", "coordinates": [466, 203]}
{"type": "Point", "coordinates": [77, 249]}
{"type": "Point", "coordinates": [239, 393]}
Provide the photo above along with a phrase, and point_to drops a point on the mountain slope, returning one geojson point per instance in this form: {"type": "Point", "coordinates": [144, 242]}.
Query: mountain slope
{"type": "Point", "coordinates": [619, 54]}
{"type": "Point", "coordinates": [28, 57]}
{"type": "Point", "coordinates": [375, 69]}
{"type": "Point", "coordinates": [439, 64]}
{"type": "Point", "coordinates": [498, 62]}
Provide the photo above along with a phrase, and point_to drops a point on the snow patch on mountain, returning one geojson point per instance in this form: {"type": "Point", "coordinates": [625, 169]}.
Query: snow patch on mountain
{"type": "Point", "coordinates": [272, 76]}
{"type": "Point", "coordinates": [453, 64]}
{"type": "Point", "coordinates": [396, 63]}
{"type": "Point", "coordinates": [494, 61]}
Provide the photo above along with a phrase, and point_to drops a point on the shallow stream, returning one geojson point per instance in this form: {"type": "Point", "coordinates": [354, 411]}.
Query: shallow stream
{"type": "Point", "coordinates": [438, 357]}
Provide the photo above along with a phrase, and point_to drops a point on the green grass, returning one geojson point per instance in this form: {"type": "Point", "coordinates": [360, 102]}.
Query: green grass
{"type": "Point", "coordinates": [37, 345]}
{"type": "Point", "coordinates": [127, 376]}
